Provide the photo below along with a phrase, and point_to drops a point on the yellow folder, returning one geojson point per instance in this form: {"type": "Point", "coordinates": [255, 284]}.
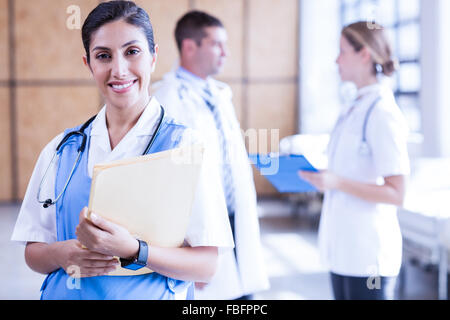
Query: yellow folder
{"type": "Point", "coordinates": [151, 196]}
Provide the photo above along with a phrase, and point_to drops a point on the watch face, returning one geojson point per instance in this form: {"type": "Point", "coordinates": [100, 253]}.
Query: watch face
{"type": "Point", "coordinates": [133, 266]}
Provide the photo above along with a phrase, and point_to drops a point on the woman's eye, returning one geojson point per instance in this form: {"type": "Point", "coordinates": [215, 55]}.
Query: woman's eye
{"type": "Point", "coordinates": [103, 56]}
{"type": "Point", "coordinates": [132, 51]}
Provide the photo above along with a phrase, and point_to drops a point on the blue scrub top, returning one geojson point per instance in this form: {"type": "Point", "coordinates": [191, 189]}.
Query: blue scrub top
{"type": "Point", "coordinates": [58, 285]}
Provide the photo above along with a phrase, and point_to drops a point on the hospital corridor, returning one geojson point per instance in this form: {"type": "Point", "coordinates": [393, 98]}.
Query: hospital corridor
{"type": "Point", "coordinates": [225, 150]}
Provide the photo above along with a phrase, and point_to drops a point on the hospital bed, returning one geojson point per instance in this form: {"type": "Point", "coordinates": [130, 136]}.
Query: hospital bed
{"type": "Point", "coordinates": [425, 217]}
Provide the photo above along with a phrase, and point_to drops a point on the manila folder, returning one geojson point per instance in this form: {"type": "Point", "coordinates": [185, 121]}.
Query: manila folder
{"type": "Point", "coordinates": [151, 196]}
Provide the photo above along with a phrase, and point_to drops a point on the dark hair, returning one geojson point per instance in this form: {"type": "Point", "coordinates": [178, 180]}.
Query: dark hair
{"type": "Point", "coordinates": [372, 36]}
{"type": "Point", "coordinates": [191, 26]}
{"type": "Point", "coordinates": [112, 11]}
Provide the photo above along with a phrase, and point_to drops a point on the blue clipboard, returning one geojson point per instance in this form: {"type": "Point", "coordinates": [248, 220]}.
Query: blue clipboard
{"type": "Point", "coordinates": [282, 171]}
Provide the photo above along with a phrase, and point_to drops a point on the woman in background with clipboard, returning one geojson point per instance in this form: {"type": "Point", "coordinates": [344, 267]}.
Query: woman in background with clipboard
{"type": "Point", "coordinates": [359, 234]}
{"type": "Point", "coordinates": [121, 55]}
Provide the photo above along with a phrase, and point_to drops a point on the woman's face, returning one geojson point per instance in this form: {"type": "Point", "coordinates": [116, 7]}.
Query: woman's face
{"type": "Point", "coordinates": [121, 63]}
{"type": "Point", "coordinates": [348, 61]}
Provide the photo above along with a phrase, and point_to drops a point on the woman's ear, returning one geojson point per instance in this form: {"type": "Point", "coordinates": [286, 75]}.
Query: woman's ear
{"type": "Point", "coordinates": [86, 63]}
{"type": "Point", "coordinates": [155, 58]}
{"type": "Point", "coordinates": [366, 55]}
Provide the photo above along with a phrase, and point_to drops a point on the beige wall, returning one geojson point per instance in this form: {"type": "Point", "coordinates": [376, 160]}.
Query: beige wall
{"type": "Point", "coordinates": [4, 30]}
{"type": "Point", "coordinates": [47, 88]}
{"type": "Point", "coordinates": [5, 147]}
{"type": "Point", "coordinates": [5, 129]}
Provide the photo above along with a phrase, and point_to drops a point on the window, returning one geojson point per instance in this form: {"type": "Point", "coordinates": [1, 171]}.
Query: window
{"type": "Point", "coordinates": [401, 18]}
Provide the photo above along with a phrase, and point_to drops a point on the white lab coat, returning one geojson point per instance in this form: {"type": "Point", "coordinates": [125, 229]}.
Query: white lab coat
{"type": "Point", "coordinates": [182, 101]}
{"type": "Point", "coordinates": [357, 237]}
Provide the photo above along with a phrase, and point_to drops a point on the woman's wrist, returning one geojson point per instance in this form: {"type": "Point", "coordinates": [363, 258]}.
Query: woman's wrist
{"type": "Point", "coordinates": [339, 183]}
{"type": "Point", "coordinates": [132, 250]}
{"type": "Point", "coordinates": [54, 254]}
{"type": "Point", "coordinates": [43, 257]}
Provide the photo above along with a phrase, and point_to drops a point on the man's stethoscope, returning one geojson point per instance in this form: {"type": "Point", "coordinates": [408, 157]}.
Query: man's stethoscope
{"type": "Point", "coordinates": [49, 202]}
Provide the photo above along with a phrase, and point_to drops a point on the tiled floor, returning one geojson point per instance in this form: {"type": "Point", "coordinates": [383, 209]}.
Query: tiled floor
{"type": "Point", "coordinates": [292, 260]}
{"type": "Point", "coordinates": [290, 251]}
{"type": "Point", "coordinates": [16, 279]}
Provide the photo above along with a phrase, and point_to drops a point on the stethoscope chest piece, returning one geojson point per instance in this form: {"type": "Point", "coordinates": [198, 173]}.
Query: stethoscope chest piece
{"type": "Point", "coordinates": [364, 149]}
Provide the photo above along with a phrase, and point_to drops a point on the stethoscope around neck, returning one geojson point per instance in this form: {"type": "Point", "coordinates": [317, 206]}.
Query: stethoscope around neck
{"type": "Point", "coordinates": [364, 148]}
{"type": "Point", "coordinates": [49, 202]}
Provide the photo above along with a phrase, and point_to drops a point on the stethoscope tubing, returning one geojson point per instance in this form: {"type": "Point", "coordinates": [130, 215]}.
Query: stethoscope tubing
{"type": "Point", "coordinates": [47, 203]}
{"type": "Point", "coordinates": [364, 148]}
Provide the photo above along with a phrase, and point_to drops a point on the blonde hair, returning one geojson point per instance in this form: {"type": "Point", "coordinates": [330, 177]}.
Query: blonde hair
{"type": "Point", "coordinates": [372, 36]}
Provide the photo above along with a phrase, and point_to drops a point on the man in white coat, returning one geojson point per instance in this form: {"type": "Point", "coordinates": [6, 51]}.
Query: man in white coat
{"type": "Point", "coordinates": [193, 97]}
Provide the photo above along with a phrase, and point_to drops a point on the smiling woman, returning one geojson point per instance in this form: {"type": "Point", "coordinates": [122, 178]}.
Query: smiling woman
{"type": "Point", "coordinates": [120, 54]}
{"type": "Point", "coordinates": [120, 58]}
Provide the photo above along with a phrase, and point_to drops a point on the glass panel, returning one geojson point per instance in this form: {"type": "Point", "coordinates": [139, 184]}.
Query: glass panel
{"type": "Point", "coordinates": [386, 12]}
{"type": "Point", "coordinates": [368, 11]}
{"type": "Point", "coordinates": [408, 9]}
{"type": "Point", "coordinates": [349, 3]}
{"type": "Point", "coordinates": [408, 41]}
{"type": "Point", "coordinates": [409, 76]}
{"type": "Point", "coordinates": [411, 110]}
{"type": "Point", "coordinates": [350, 15]}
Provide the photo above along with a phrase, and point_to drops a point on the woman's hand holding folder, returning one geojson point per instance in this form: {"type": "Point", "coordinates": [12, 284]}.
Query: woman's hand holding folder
{"type": "Point", "coordinates": [106, 238]}
{"type": "Point", "coordinates": [102, 236]}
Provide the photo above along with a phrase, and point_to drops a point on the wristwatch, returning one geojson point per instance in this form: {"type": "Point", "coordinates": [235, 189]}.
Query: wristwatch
{"type": "Point", "coordinates": [139, 261]}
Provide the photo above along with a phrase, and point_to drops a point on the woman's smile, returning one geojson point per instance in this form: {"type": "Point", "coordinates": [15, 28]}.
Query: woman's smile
{"type": "Point", "coordinates": [122, 86]}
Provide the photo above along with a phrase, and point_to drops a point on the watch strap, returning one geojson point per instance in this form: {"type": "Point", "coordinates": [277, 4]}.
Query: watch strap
{"type": "Point", "coordinates": [138, 262]}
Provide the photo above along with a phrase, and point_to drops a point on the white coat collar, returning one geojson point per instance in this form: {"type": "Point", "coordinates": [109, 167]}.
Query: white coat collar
{"type": "Point", "coordinates": [197, 83]}
{"type": "Point", "coordinates": [145, 126]}
{"type": "Point", "coordinates": [142, 128]}
{"type": "Point", "coordinates": [370, 89]}
{"type": "Point", "coordinates": [191, 78]}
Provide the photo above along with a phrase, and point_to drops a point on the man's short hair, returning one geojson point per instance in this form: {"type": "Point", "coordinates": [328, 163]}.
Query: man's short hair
{"type": "Point", "coordinates": [192, 25]}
